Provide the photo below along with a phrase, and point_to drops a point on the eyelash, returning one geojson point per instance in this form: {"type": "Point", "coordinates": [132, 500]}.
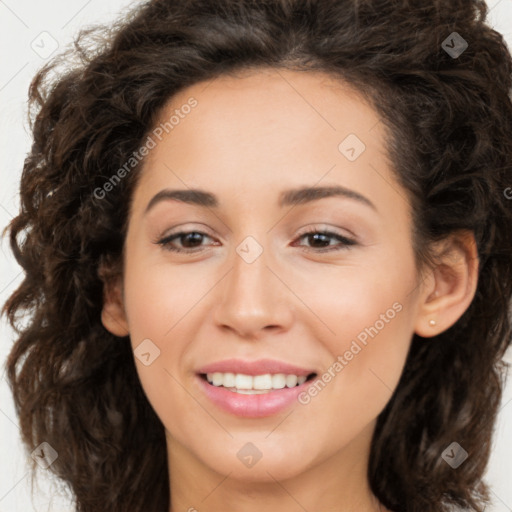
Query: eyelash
{"type": "Point", "coordinates": [345, 242]}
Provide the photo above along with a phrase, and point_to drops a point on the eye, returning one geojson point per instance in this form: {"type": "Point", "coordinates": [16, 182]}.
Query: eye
{"type": "Point", "coordinates": [190, 241]}
{"type": "Point", "coordinates": [320, 240]}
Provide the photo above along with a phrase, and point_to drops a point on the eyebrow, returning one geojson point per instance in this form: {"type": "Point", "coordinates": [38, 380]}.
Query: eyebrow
{"type": "Point", "coordinates": [291, 197]}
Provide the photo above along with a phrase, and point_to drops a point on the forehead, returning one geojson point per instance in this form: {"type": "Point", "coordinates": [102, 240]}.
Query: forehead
{"type": "Point", "coordinates": [269, 99]}
{"type": "Point", "coordinates": [270, 118]}
{"type": "Point", "coordinates": [250, 136]}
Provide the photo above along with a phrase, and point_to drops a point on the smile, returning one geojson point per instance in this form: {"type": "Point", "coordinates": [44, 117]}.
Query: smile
{"type": "Point", "coordinates": [253, 396]}
{"type": "Point", "coordinates": [255, 384]}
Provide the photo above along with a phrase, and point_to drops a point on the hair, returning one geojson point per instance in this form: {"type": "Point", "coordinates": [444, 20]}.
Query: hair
{"type": "Point", "coordinates": [450, 140]}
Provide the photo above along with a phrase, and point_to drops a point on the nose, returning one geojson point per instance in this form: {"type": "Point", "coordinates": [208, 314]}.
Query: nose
{"type": "Point", "coordinates": [253, 298]}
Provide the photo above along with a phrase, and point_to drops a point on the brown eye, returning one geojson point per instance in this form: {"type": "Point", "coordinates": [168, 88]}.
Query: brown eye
{"type": "Point", "coordinates": [189, 240]}
{"type": "Point", "coordinates": [320, 240]}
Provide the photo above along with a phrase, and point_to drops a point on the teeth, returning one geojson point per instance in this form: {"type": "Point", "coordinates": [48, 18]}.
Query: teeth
{"type": "Point", "coordinates": [278, 381]}
{"type": "Point", "coordinates": [229, 380]}
{"type": "Point", "coordinates": [217, 379]}
{"type": "Point", "coordinates": [262, 381]}
{"type": "Point", "coordinates": [242, 381]}
{"type": "Point", "coordinates": [254, 385]}
{"type": "Point", "coordinates": [291, 381]}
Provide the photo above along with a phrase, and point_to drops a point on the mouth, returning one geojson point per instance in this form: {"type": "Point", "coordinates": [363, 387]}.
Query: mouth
{"type": "Point", "coordinates": [253, 396]}
{"type": "Point", "coordinates": [255, 384]}
{"type": "Point", "coordinates": [253, 389]}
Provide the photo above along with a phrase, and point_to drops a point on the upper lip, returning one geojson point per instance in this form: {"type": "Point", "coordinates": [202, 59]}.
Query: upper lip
{"type": "Point", "coordinates": [258, 367]}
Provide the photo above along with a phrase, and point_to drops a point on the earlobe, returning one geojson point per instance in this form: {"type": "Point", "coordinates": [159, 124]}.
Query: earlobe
{"type": "Point", "coordinates": [452, 285]}
{"type": "Point", "coordinates": [113, 316]}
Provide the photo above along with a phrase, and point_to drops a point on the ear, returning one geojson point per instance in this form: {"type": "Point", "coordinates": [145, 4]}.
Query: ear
{"type": "Point", "coordinates": [449, 287]}
{"type": "Point", "coordinates": [113, 315]}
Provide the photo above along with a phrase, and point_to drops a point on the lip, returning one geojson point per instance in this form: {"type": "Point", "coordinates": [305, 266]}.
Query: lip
{"type": "Point", "coordinates": [253, 406]}
{"type": "Point", "coordinates": [258, 367]}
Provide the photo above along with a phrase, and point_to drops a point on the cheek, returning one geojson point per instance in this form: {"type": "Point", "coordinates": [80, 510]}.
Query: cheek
{"type": "Point", "coordinates": [158, 296]}
{"type": "Point", "coordinates": [155, 300]}
{"type": "Point", "coordinates": [370, 316]}
{"type": "Point", "coordinates": [366, 370]}
{"type": "Point", "coordinates": [154, 308]}
{"type": "Point", "coordinates": [348, 299]}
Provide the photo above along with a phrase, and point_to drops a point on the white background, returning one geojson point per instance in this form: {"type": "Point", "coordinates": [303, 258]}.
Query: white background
{"type": "Point", "coordinates": [21, 25]}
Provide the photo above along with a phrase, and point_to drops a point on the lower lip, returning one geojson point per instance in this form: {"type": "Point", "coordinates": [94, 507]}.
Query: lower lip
{"type": "Point", "coordinates": [252, 406]}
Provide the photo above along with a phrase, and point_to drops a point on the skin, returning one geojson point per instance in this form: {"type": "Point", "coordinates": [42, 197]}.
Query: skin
{"type": "Point", "coordinates": [250, 137]}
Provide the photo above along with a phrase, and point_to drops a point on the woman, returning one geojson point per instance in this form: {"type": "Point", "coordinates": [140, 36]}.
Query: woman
{"type": "Point", "coordinates": [333, 338]}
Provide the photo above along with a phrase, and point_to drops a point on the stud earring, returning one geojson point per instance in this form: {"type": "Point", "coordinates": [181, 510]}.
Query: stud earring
{"type": "Point", "coordinates": [432, 322]}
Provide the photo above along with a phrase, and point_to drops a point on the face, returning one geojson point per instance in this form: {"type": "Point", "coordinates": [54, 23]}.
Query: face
{"type": "Point", "coordinates": [261, 278]}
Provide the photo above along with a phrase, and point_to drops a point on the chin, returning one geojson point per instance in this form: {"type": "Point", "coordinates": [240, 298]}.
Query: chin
{"type": "Point", "coordinates": [258, 461]}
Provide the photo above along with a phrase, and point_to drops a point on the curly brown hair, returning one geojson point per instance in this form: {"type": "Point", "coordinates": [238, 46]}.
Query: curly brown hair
{"type": "Point", "coordinates": [451, 123]}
